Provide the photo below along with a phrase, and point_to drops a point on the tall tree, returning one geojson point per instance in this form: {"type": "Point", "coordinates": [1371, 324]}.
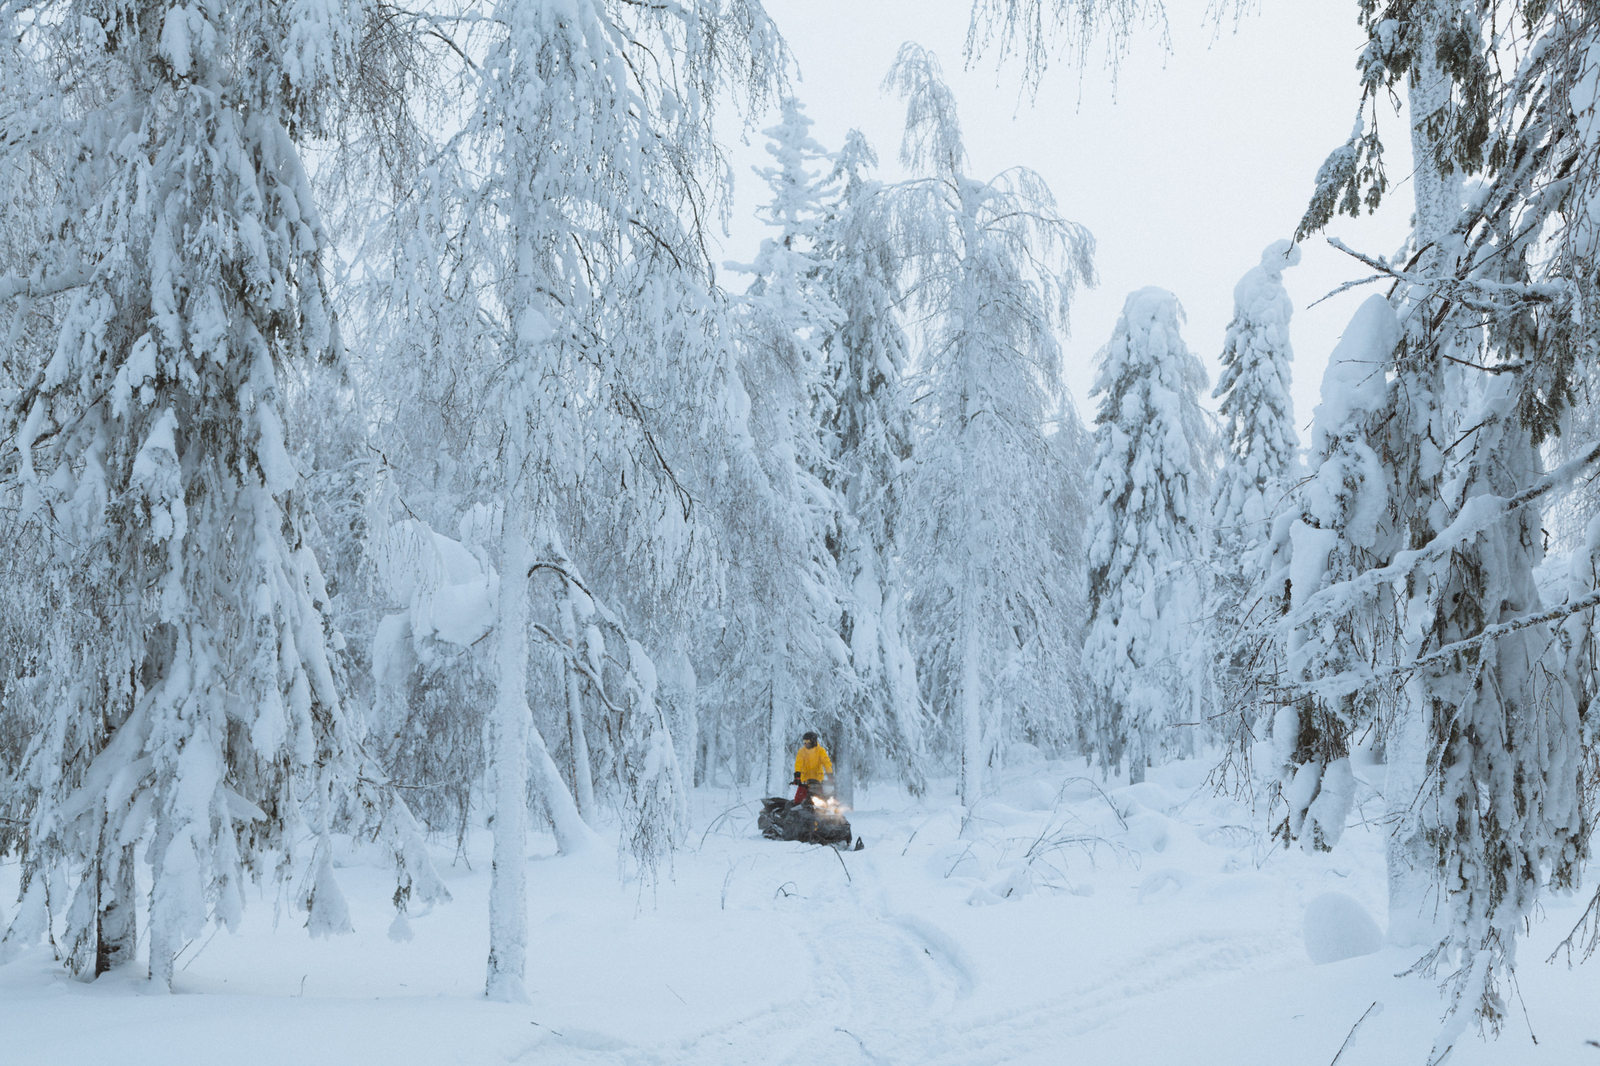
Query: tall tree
{"type": "Point", "coordinates": [795, 590]}
{"type": "Point", "coordinates": [192, 705]}
{"type": "Point", "coordinates": [1152, 456]}
{"type": "Point", "coordinates": [1257, 410]}
{"type": "Point", "coordinates": [867, 429]}
{"type": "Point", "coordinates": [1333, 529]}
{"type": "Point", "coordinates": [1259, 461]}
{"type": "Point", "coordinates": [1485, 778]}
{"type": "Point", "coordinates": [993, 269]}
{"type": "Point", "coordinates": [585, 373]}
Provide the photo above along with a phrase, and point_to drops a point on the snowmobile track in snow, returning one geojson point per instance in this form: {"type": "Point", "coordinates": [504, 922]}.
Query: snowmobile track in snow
{"type": "Point", "coordinates": [1009, 1035]}
{"type": "Point", "coordinates": [887, 988]}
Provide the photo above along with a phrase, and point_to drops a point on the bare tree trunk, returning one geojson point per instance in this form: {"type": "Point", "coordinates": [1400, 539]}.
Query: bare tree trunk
{"type": "Point", "coordinates": [582, 774]}
{"type": "Point", "coordinates": [508, 755]}
{"type": "Point", "coordinates": [678, 691]}
{"type": "Point", "coordinates": [573, 834]}
{"type": "Point", "coordinates": [780, 758]}
{"type": "Point", "coordinates": [577, 740]}
{"type": "Point", "coordinates": [116, 924]}
{"type": "Point", "coordinates": [972, 754]}
{"type": "Point", "coordinates": [844, 775]}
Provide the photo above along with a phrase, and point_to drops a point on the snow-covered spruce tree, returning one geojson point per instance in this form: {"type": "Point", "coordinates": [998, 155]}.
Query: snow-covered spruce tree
{"type": "Point", "coordinates": [1335, 527]}
{"type": "Point", "coordinates": [1572, 38]}
{"type": "Point", "coordinates": [1581, 655]}
{"type": "Point", "coordinates": [866, 427]}
{"type": "Point", "coordinates": [1259, 445]}
{"type": "Point", "coordinates": [1485, 779]}
{"type": "Point", "coordinates": [1072, 503]}
{"type": "Point", "coordinates": [194, 722]}
{"type": "Point", "coordinates": [1479, 726]}
{"type": "Point", "coordinates": [992, 268]}
{"type": "Point", "coordinates": [1152, 456]}
{"type": "Point", "coordinates": [1257, 413]}
{"type": "Point", "coordinates": [795, 592]}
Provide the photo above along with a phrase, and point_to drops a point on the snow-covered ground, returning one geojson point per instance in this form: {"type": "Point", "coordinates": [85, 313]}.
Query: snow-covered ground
{"type": "Point", "coordinates": [1064, 922]}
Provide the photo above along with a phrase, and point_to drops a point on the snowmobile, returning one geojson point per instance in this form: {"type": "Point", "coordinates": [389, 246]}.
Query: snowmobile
{"type": "Point", "coordinates": [813, 816]}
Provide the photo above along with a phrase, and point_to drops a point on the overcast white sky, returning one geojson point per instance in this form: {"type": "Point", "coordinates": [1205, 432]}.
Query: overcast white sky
{"type": "Point", "coordinates": [1184, 172]}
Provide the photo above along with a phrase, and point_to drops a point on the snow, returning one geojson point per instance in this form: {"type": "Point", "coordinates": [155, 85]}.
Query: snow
{"type": "Point", "coordinates": [1354, 380]}
{"type": "Point", "coordinates": [1185, 937]}
{"type": "Point", "coordinates": [187, 621]}
{"type": "Point", "coordinates": [1338, 927]}
{"type": "Point", "coordinates": [450, 593]}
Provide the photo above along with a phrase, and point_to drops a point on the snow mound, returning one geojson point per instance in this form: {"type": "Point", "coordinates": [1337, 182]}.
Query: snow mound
{"type": "Point", "coordinates": [1146, 795]}
{"type": "Point", "coordinates": [1338, 927]}
{"type": "Point", "coordinates": [1035, 795]}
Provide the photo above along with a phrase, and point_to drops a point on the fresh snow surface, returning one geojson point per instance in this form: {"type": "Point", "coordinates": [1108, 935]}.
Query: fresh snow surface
{"type": "Point", "coordinates": [1065, 921]}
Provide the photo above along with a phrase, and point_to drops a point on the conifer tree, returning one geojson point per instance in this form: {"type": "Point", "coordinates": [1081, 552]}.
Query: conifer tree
{"type": "Point", "coordinates": [1257, 410]}
{"type": "Point", "coordinates": [1334, 528]}
{"type": "Point", "coordinates": [795, 589]}
{"type": "Point", "coordinates": [1257, 471]}
{"type": "Point", "coordinates": [866, 425]}
{"type": "Point", "coordinates": [193, 716]}
{"type": "Point", "coordinates": [1485, 776]}
{"type": "Point", "coordinates": [1150, 476]}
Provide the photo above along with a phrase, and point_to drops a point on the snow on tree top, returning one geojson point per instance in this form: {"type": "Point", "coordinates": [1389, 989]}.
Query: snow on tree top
{"type": "Point", "coordinates": [1354, 380]}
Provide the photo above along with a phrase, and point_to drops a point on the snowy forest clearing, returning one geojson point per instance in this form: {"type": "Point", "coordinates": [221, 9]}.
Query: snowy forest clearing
{"type": "Point", "coordinates": [1177, 938]}
{"type": "Point", "coordinates": [386, 455]}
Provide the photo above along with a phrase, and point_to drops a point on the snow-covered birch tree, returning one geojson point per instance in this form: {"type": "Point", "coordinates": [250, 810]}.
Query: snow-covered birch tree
{"type": "Point", "coordinates": [581, 332]}
{"type": "Point", "coordinates": [1151, 474]}
{"type": "Point", "coordinates": [992, 270]}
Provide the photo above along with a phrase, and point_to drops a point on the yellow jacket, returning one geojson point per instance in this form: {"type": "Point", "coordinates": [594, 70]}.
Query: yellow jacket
{"type": "Point", "coordinates": [812, 763]}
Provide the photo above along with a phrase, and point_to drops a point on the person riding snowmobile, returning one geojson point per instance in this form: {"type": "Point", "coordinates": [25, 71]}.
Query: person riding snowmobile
{"type": "Point", "coordinates": [811, 766]}
{"type": "Point", "coordinates": [800, 818]}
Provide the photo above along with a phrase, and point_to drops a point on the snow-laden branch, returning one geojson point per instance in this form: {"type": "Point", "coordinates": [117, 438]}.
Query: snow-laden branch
{"type": "Point", "coordinates": [1475, 294]}
{"type": "Point", "coordinates": [1349, 680]}
{"type": "Point", "coordinates": [14, 286]}
{"type": "Point", "coordinates": [1476, 515]}
{"type": "Point", "coordinates": [1346, 287]}
{"type": "Point", "coordinates": [1588, 923]}
{"type": "Point", "coordinates": [577, 662]}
